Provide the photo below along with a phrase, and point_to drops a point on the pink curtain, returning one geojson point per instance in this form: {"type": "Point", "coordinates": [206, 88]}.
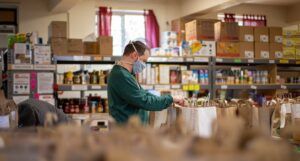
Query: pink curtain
{"type": "Point", "coordinates": [152, 29]}
{"type": "Point", "coordinates": [104, 24]}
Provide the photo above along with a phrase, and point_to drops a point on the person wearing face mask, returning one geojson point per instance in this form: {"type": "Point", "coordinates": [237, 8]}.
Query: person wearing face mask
{"type": "Point", "coordinates": [125, 95]}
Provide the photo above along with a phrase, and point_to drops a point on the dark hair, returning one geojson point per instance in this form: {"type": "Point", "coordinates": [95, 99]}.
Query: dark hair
{"type": "Point", "coordinates": [138, 45]}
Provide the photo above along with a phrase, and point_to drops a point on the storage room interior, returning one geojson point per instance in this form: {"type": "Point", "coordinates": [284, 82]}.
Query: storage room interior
{"type": "Point", "coordinates": [108, 80]}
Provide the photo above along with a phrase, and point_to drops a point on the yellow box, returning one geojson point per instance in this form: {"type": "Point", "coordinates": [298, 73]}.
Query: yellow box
{"type": "Point", "coordinates": [291, 41]}
{"type": "Point", "coordinates": [289, 52]}
{"type": "Point", "coordinates": [298, 53]}
{"type": "Point", "coordinates": [291, 32]}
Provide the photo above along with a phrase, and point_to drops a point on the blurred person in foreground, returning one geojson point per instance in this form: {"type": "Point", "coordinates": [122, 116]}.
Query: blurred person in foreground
{"type": "Point", "coordinates": [125, 95]}
{"type": "Point", "coordinates": [34, 113]}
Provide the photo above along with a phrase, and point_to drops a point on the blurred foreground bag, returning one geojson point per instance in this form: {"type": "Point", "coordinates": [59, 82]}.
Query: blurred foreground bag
{"type": "Point", "coordinates": [8, 114]}
{"type": "Point", "coordinates": [265, 119]}
{"type": "Point", "coordinates": [198, 121]}
{"type": "Point", "coordinates": [296, 120]}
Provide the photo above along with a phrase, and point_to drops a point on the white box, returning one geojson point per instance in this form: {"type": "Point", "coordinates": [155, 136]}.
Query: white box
{"type": "Point", "coordinates": [22, 53]}
{"type": "Point", "coordinates": [42, 55]}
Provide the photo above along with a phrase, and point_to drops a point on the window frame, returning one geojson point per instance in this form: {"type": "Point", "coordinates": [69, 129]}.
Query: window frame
{"type": "Point", "coordinates": [122, 14]}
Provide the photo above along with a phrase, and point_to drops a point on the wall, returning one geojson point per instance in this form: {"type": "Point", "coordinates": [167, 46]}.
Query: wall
{"type": "Point", "coordinates": [192, 6]}
{"type": "Point", "coordinates": [293, 16]}
{"type": "Point", "coordinates": [34, 14]}
{"type": "Point", "coordinates": [276, 15]}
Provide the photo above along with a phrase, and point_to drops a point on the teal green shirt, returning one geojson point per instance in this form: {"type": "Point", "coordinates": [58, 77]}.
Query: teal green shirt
{"type": "Point", "coordinates": [126, 97]}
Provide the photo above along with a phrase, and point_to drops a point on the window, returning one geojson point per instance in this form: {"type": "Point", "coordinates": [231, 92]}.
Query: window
{"type": "Point", "coordinates": [126, 25]}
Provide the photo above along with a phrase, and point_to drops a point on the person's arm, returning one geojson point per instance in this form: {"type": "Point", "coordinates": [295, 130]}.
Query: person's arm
{"type": "Point", "coordinates": [129, 90]}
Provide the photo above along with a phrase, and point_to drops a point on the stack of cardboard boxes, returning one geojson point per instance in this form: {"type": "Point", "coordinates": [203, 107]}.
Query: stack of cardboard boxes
{"type": "Point", "coordinates": [268, 42]}
{"type": "Point", "coordinates": [61, 45]}
{"type": "Point", "coordinates": [200, 34]}
{"type": "Point", "coordinates": [246, 38]}
{"type": "Point", "coordinates": [227, 37]}
{"type": "Point", "coordinates": [291, 42]}
{"type": "Point", "coordinates": [233, 41]}
{"type": "Point", "coordinates": [57, 33]}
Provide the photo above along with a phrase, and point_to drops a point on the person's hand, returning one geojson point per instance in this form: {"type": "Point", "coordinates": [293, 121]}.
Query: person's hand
{"type": "Point", "coordinates": [178, 100]}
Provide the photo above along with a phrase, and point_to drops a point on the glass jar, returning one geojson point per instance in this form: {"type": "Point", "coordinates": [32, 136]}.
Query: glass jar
{"type": "Point", "coordinates": [76, 79]}
{"type": "Point", "coordinates": [101, 78]}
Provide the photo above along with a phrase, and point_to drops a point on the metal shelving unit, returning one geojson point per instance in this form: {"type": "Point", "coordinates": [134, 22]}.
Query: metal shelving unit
{"type": "Point", "coordinates": [210, 63]}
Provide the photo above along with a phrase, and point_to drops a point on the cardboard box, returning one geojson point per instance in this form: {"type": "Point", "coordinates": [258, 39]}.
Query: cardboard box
{"type": "Point", "coordinates": [247, 50]}
{"type": "Point", "coordinates": [42, 54]}
{"type": "Point", "coordinates": [90, 48]}
{"type": "Point", "coordinates": [105, 45]}
{"type": "Point", "coordinates": [276, 50]}
{"type": "Point", "coordinates": [290, 33]}
{"type": "Point", "coordinates": [262, 51]}
{"type": "Point", "coordinates": [228, 49]}
{"type": "Point", "coordinates": [275, 34]}
{"type": "Point", "coordinates": [59, 46]}
{"type": "Point", "coordinates": [200, 30]}
{"type": "Point", "coordinates": [57, 29]}
{"type": "Point", "coordinates": [22, 54]}
{"type": "Point", "coordinates": [291, 42]}
{"type": "Point", "coordinates": [178, 26]}
{"type": "Point", "coordinates": [261, 34]}
{"type": "Point", "coordinates": [75, 47]}
{"type": "Point", "coordinates": [297, 53]}
{"type": "Point", "coordinates": [226, 31]}
{"type": "Point", "coordinates": [246, 34]}
{"type": "Point", "coordinates": [289, 52]}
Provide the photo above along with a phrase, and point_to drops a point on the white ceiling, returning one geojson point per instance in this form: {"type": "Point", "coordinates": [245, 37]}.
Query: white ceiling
{"type": "Point", "coordinates": [274, 2]}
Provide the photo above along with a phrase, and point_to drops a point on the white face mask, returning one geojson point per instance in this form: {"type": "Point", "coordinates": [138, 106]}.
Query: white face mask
{"type": "Point", "coordinates": [138, 65]}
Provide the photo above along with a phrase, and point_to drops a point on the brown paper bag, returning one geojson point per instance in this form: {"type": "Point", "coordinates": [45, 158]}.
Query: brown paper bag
{"type": "Point", "coordinates": [296, 120]}
{"type": "Point", "coordinates": [264, 119]}
{"type": "Point", "coordinates": [226, 112]}
{"type": "Point", "coordinates": [245, 112]}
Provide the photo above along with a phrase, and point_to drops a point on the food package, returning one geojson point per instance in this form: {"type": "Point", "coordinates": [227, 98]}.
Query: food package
{"type": "Point", "coordinates": [228, 49]}
{"type": "Point", "coordinates": [203, 48]}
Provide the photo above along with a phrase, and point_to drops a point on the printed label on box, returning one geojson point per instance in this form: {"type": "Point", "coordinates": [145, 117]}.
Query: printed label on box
{"type": "Point", "coordinates": [249, 38]}
{"type": "Point", "coordinates": [45, 83]}
{"type": "Point", "coordinates": [278, 39]}
{"type": "Point", "coordinates": [249, 54]}
{"type": "Point", "coordinates": [264, 54]}
{"type": "Point", "coordinates": [278, 54]}
{"type": "Point", "coordinates": [264, 38]}
{"type": "Point", "coordinates": [21, 83]}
